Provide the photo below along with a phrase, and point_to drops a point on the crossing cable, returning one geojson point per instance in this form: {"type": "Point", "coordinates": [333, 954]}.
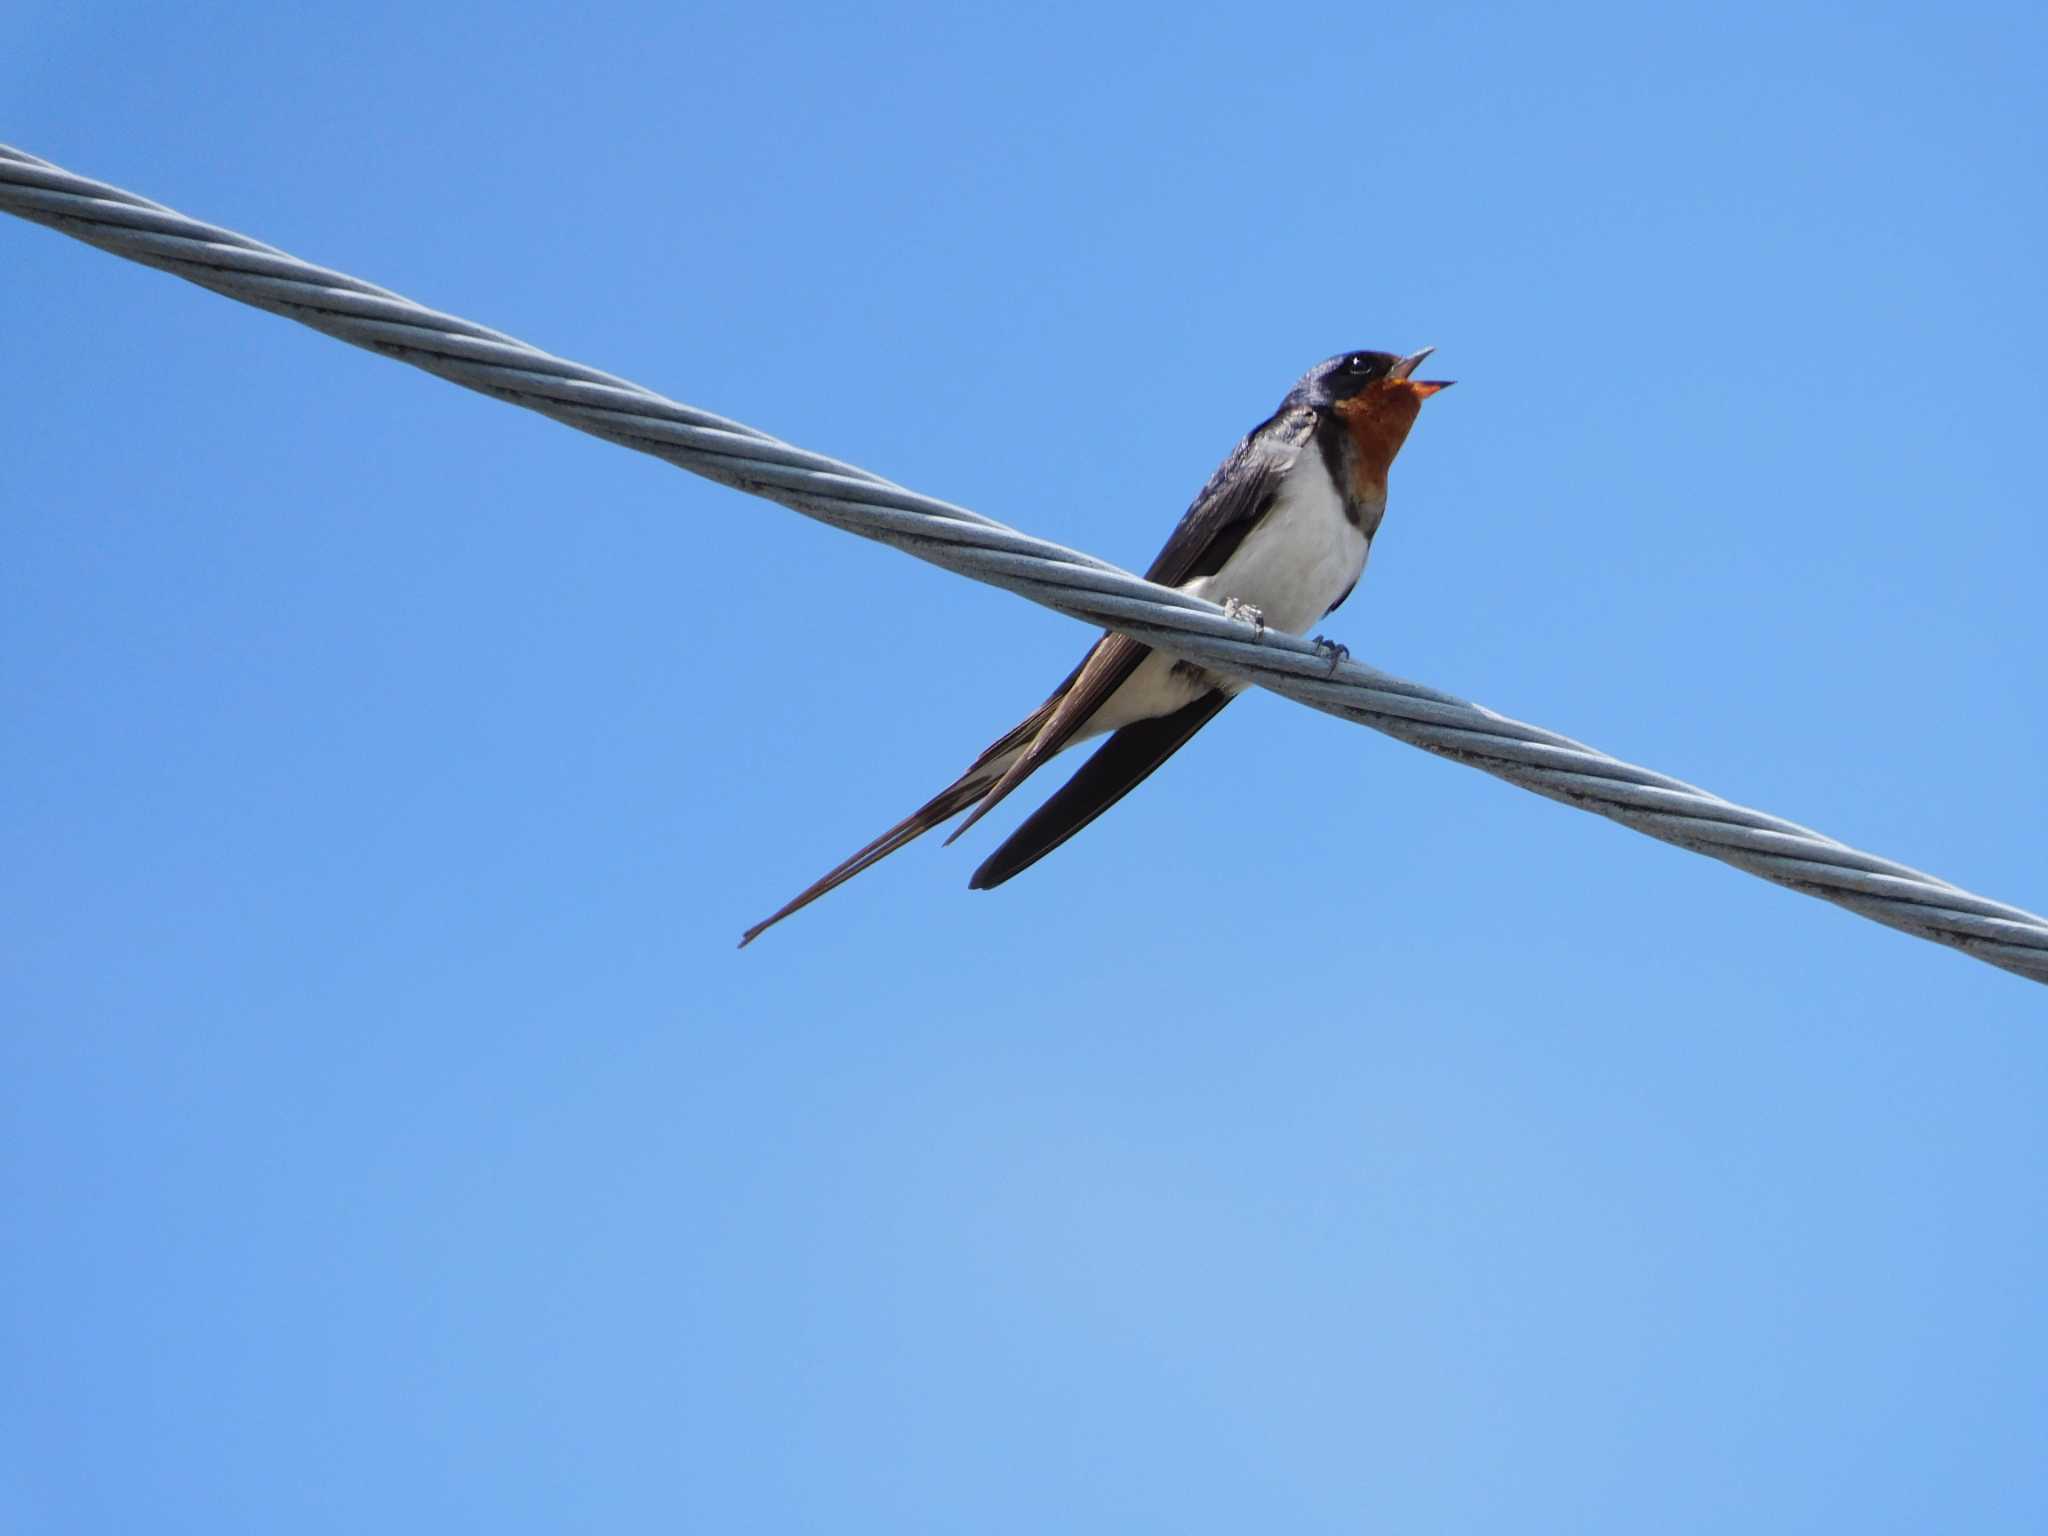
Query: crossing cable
{"type": "Point", "coordinates": [1070, 582]}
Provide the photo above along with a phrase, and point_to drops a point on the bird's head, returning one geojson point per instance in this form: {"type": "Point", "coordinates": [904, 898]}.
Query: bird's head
{"type": "Point", "coordinates": [1363, 381]}
{"type": "Point", "coordinates": [1376, 396]}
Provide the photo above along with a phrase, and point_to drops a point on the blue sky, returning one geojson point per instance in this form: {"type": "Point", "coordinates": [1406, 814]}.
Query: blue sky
{"type": "Point", "coordinates": [1330, 1138]}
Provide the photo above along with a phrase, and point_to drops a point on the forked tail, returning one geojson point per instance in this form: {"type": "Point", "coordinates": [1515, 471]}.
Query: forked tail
{"type": "Point", "coordinates": [1118, 767]}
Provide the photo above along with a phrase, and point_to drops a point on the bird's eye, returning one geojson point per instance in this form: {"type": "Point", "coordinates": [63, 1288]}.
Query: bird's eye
{"type": "Point", "coordinates": [1358, 362]}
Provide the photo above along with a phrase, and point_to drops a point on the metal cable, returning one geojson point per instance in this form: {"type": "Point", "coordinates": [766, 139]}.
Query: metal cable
{"type": "Point", "coordinates": [1062, 579]}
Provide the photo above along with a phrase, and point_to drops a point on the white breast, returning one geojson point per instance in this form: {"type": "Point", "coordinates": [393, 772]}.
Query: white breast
{"type": "Point", "coordinates": [1303, 556]}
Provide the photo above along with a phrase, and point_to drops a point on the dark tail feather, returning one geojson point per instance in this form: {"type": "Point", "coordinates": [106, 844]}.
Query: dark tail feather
{"type": "Point", "coordinates": [1118, 766]}
{"type": "Point", "coordinates": [944, 806]}
{"type": "Point", "coordinates": [1106, 668]}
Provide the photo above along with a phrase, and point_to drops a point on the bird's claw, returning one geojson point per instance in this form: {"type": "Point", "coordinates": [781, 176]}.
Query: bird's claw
{"type": "Point", "coordinates": [1331, 650]}
{"type": "Point", "coordinates": [1245, 613]}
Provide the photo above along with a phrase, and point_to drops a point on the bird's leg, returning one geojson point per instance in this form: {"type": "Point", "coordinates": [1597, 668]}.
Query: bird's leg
{"type": "Point", "coordinates": [1245, 613]}
{"type": "Point", "coordinates": [1337, 654]}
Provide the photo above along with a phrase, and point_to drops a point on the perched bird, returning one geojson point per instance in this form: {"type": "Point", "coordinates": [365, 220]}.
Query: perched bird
{"type": "Point", "coordinates": [1280, 532]}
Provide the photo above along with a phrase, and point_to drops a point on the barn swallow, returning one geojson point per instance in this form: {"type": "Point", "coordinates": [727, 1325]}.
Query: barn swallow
{"type": "Point", "coordinates": [1280, 533]}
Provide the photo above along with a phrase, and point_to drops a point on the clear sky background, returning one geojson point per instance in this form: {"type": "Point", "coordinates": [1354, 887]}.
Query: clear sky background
{"type": "Point", "coordinates": [1331, 1139]}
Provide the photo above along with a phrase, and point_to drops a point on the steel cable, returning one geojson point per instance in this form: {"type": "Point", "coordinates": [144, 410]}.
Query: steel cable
{"type": "Point", "coordinates": [1063, 579]}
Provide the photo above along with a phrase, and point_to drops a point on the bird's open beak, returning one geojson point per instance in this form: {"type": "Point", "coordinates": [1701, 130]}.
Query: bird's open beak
{"type": "Point", "coordinates": [1407, 366]}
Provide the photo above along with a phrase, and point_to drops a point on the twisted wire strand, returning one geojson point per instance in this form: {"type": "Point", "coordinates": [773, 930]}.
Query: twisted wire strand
{"type": "Point", "coordinates": [1065, 580]}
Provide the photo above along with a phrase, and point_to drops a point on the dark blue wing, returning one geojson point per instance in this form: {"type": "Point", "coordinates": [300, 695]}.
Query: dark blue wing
{"type": "Point", "coordinates": [1241, 492]}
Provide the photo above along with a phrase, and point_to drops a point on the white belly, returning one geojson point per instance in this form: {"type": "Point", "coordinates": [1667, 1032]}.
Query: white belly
{"type": "Point", "coordinates": [1153, 690]}
{"type": "Point", "coordinates": [1304, 555]}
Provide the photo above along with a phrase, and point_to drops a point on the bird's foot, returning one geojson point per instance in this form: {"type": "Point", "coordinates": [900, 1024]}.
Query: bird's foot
{"type": "Point", "coordinates": [1245, 613]}
{"type": "Point", "coordinates": [1333, 652]}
